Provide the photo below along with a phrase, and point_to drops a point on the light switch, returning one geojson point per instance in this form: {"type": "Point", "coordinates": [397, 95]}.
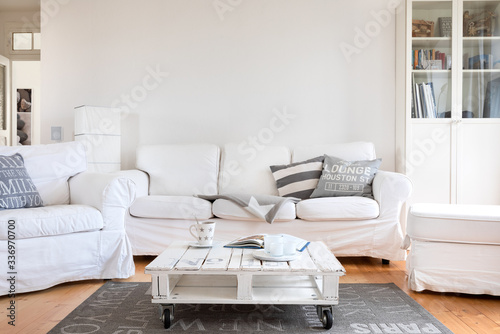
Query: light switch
{"type": "Point", "coordinates": [56, 133]}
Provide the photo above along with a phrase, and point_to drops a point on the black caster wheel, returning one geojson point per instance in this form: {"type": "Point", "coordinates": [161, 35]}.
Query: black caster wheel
{"type": "Point", "coordinates": [327, 319]}
{"type": "Point", "coordinates": [166, 318]}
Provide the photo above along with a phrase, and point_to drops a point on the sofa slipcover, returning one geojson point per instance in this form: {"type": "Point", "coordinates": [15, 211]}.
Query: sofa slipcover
{"type": "Point", "coordinates": [455, 223]}
{"type": "Point", "coordinates": [225, 209]}
{"type": "Point", "coordinates": [354, 226]}
{"type": "Point", "coordinates": [171, 207]}
{"type": "Point", "coordinates": [338, 208]}
{"type": "Point", "coordinates": [247, 171]}
{"type": "Point", "coordinates": [78, 234]}
{"type": "Point", "coordinates": [51, 220]}
{"type": "Point", "coordinates": [50, 167]}
{"type": "Point", "coordinates": [180, 170]}
{"type": "Point", "coordinates": [454, 248]}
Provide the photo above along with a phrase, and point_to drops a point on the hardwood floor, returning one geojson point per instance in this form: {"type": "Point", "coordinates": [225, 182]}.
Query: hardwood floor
{"type": "Point", "coordinates": [38, 312]}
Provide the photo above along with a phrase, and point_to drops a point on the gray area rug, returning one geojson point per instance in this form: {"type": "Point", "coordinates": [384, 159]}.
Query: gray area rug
{"type": "Point", "coordinates": [126, 308]}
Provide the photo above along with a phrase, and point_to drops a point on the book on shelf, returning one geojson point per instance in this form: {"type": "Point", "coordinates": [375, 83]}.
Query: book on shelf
{"type": "Point", "coordinates": [256, 241]}
{"type": "Point", "coordinates": [412, 98]}
{"type": "Point", "coordinates": [445, 27]}
{"type": "Point", "coordinates": [448, 62]}
{"type": "Point", "coordinates": [424, 100]}
{"type": "Point", "coordinates": [430, 59]}
{"type": "Point", "coordinates": [480, 62]}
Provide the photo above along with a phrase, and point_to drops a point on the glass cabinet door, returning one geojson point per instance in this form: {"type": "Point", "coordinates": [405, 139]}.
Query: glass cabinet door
{"type": "Point", "coordinates": [431, 59]}
{"type": "Point", "coordinates": [480, 59]}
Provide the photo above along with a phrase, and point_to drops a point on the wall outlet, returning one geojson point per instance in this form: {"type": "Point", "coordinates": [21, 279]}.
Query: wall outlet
{"type": "Point", "coordinates": [56, 133]}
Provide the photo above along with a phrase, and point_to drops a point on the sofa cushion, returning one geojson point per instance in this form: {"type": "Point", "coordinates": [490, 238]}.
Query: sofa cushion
{"type": "Point", "coordinates": [338, 208]}
{"type": "Point", "coordinates": [298, 179]}
{"type": "Point", "coordinates": [346, 178]}
{"type": "Point", "coordinates": [180, 170]}
{"type": "Point", "coordinates": [50, 166]}
{"type": "Point", "coordinates": [171, 207]}
{"type": "Point", "coordinates": [347, 151]}
{"type": "Point", "coordinates": [17, 189]}
{"type": "Point", "coordinates": [479, 224]}
{"type": "Point", "coordinates": [225, 209]}
{"type": "Point", "coordinates": [244, 169]}
{"type": "Point", "coordinates": [50, 220]}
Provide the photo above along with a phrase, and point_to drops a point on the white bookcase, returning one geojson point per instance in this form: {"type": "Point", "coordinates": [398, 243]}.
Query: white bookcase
{"type": "Point", "coordinates": [450, 130]}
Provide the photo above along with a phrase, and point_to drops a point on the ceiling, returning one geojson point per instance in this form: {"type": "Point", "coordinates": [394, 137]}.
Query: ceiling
{"type": "Point", "coordinates": [19, 5]}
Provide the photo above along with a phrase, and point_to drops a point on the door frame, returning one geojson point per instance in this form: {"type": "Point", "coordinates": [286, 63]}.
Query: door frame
{"type": "Point", "coordinates": [8, 98]}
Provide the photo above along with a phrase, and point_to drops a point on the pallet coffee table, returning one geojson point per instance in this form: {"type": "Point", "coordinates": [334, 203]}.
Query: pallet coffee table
{"type": "Point", "coordinates": [183, 274]}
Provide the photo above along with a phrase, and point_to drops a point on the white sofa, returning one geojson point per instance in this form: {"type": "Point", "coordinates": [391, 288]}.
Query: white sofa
{"type": "Point", "coordinates": [168, 177]}
{"type": "Point", "coordinates": [79, 232]}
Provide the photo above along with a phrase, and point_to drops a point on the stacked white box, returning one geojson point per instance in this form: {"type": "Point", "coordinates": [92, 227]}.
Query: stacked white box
{"type": "Point", "coordinates": [99, 129]}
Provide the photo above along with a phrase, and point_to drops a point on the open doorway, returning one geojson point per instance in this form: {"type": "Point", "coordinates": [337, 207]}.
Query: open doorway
{"type": "Point", "coordinates": [19, 102]}
{"type": "Point", "coordinates": [26, 102]}
{"type": "Point", "coordinates": [4, 101]}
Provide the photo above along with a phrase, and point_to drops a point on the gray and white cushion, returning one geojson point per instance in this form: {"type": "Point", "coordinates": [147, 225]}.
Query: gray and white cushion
{"type": "Point", "coordinates": [298, 179]}
{"type": "Point", "coordinates": [346, 178]}
{"type": "Point", "coordinates": [17, 189]}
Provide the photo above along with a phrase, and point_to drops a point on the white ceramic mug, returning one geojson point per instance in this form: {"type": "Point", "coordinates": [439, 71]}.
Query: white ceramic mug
{"type": "Point", "coordinates": [203, 232]}
{"type": "Point", "coordinates": [273, 245]}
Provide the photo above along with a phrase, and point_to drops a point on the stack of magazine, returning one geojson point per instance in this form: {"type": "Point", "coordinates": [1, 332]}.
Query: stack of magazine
{"type": "Point", "coordinates": [424, 101]}
{"type": "Point", "coordinates": [256, 241]}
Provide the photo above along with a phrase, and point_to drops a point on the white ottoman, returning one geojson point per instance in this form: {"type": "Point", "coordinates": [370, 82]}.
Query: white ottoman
{"type": "Point", "coordinates": [454, 248]}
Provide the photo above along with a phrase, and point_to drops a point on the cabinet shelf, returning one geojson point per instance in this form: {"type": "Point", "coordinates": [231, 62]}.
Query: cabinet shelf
{"type": "Point", "coordinates": [431, 120]}
{"type": "Point", "coordinates": [479, 71]}
{"type": "Point", "coordinates": [469, 42]}
{"type": "Point", "coordinates": [447, 72]}
{"type": "Point", "coordinates": [426, 42]}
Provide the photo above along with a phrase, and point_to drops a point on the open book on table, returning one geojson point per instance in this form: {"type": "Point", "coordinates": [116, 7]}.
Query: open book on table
{"type": "Point", "coordinates": [257, 241]}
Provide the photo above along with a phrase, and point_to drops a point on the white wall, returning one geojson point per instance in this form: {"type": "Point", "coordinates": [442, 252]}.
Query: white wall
{"type": "Point", "coordinates": [228, 73]}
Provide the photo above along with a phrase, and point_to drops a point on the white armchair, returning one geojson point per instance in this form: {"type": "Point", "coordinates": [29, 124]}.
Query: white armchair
{"type": "Point", "coordinates": [78, 234]}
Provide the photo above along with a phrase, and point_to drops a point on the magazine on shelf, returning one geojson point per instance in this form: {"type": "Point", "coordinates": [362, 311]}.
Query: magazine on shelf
{"type": "Point", "coordinates": [256, 241]}
{"type": "Point", "coordinates": [424, 100]}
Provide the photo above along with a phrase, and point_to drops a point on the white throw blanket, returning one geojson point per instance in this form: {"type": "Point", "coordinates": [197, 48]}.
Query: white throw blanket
{"type": "Point", "coordinates": [265, 207]}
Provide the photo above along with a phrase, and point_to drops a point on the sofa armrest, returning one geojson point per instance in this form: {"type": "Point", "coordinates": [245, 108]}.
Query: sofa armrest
{"type": "Point", "coordinates": [391, 190]}
{"type": "Point", "coordinates": [109, 193]}
{"type": "Point", "coordinates": [140, 178]}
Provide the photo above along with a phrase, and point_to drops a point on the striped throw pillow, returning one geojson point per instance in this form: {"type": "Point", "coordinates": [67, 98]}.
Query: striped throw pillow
{"type": "Point", "coordinates": [298, 179]}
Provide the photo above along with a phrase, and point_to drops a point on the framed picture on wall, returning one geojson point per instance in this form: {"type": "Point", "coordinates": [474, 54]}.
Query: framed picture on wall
{"type": "Point", "coordinates": [24, 112]}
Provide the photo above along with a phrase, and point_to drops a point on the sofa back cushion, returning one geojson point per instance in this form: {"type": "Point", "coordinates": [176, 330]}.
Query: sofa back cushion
{"type": "Point", "coordinates": [50, 166]}
{"type": "Point", "coordinates": [346, 151]}
{"type": "Point", "coordinates": [183, 169]}
{"type": "Point", "coordinates": [245, 170]}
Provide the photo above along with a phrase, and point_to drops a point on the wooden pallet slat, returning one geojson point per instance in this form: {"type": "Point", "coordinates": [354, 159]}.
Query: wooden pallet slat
{"type": "Point", "coordinates": [303, 263]}
{"type": "Point", "coordinates": [323, 258]}
{"type": "Point", "coordinates": [235, 262]}
{"type": "Point", "coordinates": [275, 266]}
{"type": "Point", "coordinates": [217, 259]}
{"type": "Point", "coordinates": [167, 260]}
{"type": "Point", "coordinates": [192, 259]}
{"type": "Point", "coordinates": [248, 262]}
